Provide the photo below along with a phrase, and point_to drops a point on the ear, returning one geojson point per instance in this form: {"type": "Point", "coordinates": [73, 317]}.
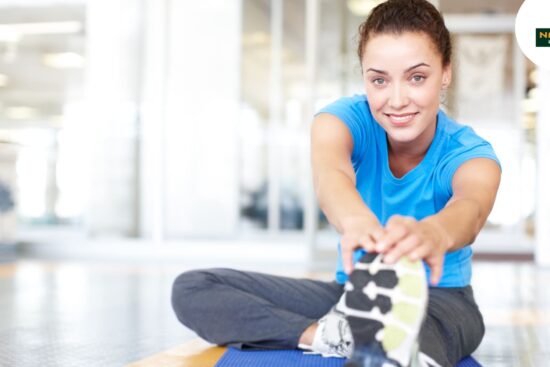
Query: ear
{"type": "Point", "coordinates": [447, 77]}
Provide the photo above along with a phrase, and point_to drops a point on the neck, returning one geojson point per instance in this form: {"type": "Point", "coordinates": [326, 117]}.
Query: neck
{"type": "Point", "coordinates": [414, 150]}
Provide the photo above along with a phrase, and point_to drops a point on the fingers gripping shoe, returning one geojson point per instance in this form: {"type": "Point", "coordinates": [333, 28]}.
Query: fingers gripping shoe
{"type": "Point", "coordinates": [385, 305]}
{"type": "Point", "coordinates": [332, 337]}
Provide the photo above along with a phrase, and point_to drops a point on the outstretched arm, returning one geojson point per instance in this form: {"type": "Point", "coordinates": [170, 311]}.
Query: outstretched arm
{"type": "Point", "coordinates": [334, 180]}
{"type": "Point", "coordinates": [475, 185]}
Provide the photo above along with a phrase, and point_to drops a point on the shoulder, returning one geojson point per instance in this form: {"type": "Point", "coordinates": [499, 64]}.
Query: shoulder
{"type": "Point", "coordinates": [460, 144]}
{"type": "Point", "coordinates": [354, 112]}
{"type": "Point", "coordinates": [458, 134]}
{"type": "Point", "coordinates": [356, 106]}
{"type": "Point", "coordinates": [458, 137]}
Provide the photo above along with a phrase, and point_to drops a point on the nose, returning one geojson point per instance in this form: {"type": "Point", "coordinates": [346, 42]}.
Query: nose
{"type": "Point", "coordinates": [398, 97]}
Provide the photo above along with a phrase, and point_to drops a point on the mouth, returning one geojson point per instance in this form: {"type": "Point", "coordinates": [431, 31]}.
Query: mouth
{"type": "Point", "coordinates": [401, 118]}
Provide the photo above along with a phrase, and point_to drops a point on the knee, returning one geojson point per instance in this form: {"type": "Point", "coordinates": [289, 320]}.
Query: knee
{"type": "Point", "coordinates": [185, 298]}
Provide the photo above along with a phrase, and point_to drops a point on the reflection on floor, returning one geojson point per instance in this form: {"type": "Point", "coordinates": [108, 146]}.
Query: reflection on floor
{"type": "Point", "coordinates": [89, 314]}
{"type": "Point", "coordinates": [515, 302]}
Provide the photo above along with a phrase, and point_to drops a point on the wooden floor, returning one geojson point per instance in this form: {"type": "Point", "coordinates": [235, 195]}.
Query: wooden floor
{"type": "Point", "coordinates": [196, 353]}
{"type": "Point", "coordinates": [82, 314]}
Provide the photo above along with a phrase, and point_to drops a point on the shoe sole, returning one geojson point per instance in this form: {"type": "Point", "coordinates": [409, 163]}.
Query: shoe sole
{"type": "Point", "coordinates": [385, 304]}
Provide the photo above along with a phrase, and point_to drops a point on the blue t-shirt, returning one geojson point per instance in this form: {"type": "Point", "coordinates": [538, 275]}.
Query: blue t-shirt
{"type": "Point", "coordinates": [421, 192]}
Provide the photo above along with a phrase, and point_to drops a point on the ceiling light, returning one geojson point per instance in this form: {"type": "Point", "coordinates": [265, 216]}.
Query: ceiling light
{"type": "Point", "coordinates": [3, 80]}
{"type": "Point", "coordinates": [12, 32]}
{"type": "Point", "coordinates": [63, 60]}
{"type": "Point", "coordinates": [362, 8]}
{"type": "Point", "coordinates": [256, 39]}
{"type": "Point", "coordinates": [8, 35]}
{"type": "Point", "coordinates": [20, 112]}
{"type": "Point", "coordinates": [56, 120]}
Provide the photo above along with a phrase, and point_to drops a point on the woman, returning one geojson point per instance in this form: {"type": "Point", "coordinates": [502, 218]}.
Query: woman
{"type": "Point", "coordinates": [403, 184]}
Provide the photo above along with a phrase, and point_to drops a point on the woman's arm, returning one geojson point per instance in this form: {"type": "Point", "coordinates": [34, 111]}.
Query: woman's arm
{"type": "Point", "coordinates": [475, 185]}
{"type": "Point", "coordinates": [334, 181]}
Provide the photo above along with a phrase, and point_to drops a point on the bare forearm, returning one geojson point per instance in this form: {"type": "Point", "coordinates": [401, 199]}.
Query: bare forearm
{"type": "Point", "coordinates": [460, 222]}
{"type": "Point", "coordinates": [339, 199]}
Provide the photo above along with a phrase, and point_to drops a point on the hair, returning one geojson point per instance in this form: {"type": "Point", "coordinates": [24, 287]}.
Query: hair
{"type": "Point", "coordinates": [399, 16]}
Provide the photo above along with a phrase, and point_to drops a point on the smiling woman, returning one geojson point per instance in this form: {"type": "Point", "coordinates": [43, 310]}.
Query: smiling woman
{"type": "Point", "coordinates": [402, 183]}
{"type": "Point", "coordinates": [403, 78]}
{"type": "Point", "coordinates": [411, 184]}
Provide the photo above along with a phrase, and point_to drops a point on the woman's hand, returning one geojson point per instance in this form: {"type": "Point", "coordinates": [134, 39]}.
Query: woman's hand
{"type": "Point", "coordinates": [405, 236]}
{"type": "Point", "coordinates": [359, 231]}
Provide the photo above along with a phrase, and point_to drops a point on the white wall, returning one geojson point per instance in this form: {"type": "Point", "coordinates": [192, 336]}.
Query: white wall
{"type": "Point", "coordinates": [197, 115]}
{"type": "Point", "coordinates": [113, 52]}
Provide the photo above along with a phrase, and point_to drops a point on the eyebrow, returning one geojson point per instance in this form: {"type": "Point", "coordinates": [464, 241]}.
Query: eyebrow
{"type": "Point", "coordinates": [406, 71]}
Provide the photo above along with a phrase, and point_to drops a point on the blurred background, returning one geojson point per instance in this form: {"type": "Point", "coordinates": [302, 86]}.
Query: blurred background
{"type": "Point", "coordinates": [176, 133]}
{"type": "Point", "coordinates": [162, 122]}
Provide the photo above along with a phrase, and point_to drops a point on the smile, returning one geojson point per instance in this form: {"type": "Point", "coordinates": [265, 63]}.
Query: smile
{"type": "Point", "coordinates": [401, 119]}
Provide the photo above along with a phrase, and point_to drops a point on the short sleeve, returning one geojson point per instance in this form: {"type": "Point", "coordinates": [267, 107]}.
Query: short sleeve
{"type": "Point", "coordinates": [472, 148]}
{"type": "Point", "coordinates": [355, 113]}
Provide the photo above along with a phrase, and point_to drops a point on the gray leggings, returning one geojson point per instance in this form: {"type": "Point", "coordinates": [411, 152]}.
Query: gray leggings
{"type": "Point", "coordinates": [255, 310]}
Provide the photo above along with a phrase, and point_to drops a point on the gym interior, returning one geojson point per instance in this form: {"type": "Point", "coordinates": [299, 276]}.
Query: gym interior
{"type": "Point", "coordinates": [143, 138]}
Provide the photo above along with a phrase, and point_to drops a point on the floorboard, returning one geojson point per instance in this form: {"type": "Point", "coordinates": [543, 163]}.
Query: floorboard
{"type": "Point", "coordinates": [84, 313]}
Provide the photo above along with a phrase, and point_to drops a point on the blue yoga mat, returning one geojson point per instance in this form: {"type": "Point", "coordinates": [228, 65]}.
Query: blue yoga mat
{"type": "Point", "coordinates": [291, 358]}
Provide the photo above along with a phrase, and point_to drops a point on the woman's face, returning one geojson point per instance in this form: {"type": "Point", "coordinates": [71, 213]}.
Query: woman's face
{"type": "Point", "coordinates": [403, 76]}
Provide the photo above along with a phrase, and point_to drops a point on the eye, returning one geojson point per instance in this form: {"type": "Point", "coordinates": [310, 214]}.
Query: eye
{"type": "Point", "coordinates": [418, 78]}
{"type": "Point", "coordinates": [378, 81]}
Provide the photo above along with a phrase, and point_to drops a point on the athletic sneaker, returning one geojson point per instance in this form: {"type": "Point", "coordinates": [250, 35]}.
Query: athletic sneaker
{"type": "Point", "coordinates": [385, 305]}
{"type": "Point", "coordinates": [332, 337]}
